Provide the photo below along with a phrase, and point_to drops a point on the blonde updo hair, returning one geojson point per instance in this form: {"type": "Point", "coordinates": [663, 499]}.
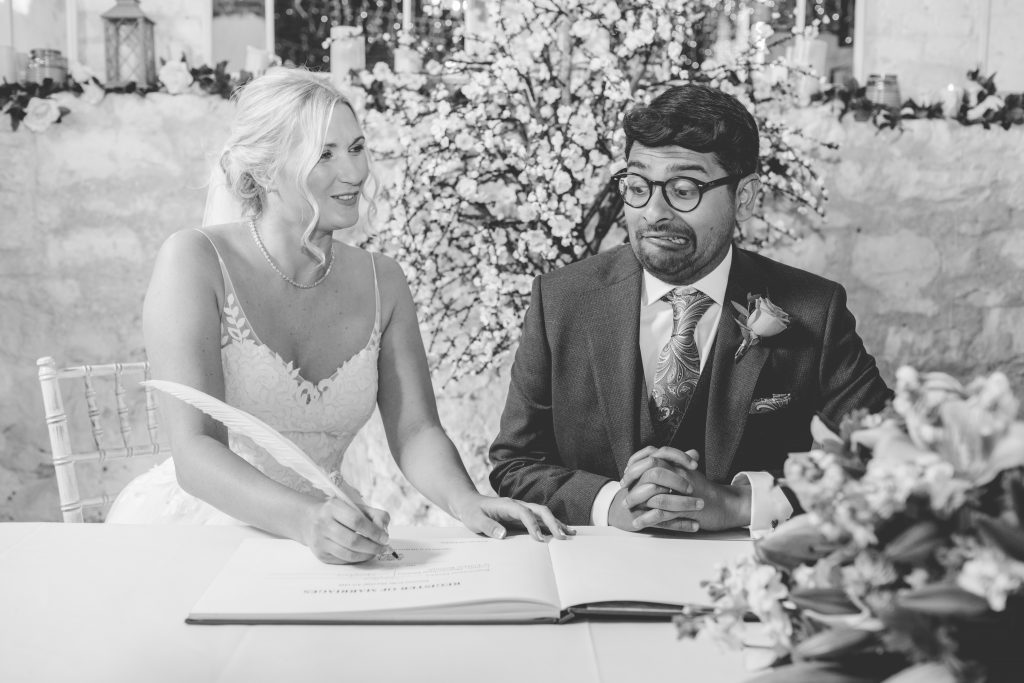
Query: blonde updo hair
{"type": "Point", "coordinates": [277, 136]}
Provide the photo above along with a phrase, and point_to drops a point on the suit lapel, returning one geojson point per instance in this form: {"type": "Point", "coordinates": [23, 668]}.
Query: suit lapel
{"type": "Point", "coordinates": [732, 382]}
{"type": "Point", "coordinates": [614, 314]}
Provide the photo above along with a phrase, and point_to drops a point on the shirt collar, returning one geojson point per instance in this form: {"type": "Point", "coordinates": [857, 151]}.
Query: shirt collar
{"type": "Point", "coordinates": [713, 284]}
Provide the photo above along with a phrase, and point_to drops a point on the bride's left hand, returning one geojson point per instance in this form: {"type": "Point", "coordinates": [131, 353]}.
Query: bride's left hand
{"type": "Point", "coordinates": [484, 514]}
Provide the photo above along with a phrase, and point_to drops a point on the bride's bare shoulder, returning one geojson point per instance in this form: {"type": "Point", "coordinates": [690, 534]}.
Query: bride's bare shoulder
{"type": "Point", "coordinates": [389, 271]}
{"type": "Point", "coordinates": [190, 256]}
{"type": "Point", "coordinates": [200, 246]}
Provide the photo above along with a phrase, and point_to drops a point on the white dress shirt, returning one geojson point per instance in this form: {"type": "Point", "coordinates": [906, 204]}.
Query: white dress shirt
{"type": "Point", "coordinates": [769, 505]}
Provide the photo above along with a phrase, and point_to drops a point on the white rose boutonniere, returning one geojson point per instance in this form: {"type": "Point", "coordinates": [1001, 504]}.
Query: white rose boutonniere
{"type": "Point", "coordinates": [41, 112]}
{"type": "Point", "coordinates": [175, 76]}
{"type": "Point", "coordinates": [759, 320]}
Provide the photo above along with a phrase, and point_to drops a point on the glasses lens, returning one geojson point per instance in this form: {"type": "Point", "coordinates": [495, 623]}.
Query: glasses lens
{"type": "Point", "coordinates": [634, 190]}
{"type": "Point", "coordinates": [683, 194]}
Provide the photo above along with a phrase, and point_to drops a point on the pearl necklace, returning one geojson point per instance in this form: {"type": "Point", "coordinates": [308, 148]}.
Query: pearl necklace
{"type": "Point", "coordinates": [263, 249]}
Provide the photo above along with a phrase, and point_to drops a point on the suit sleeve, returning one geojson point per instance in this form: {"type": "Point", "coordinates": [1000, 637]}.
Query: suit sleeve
{"type": "Point", "coordinates": [848, 376]}
{"type": "Point", "coordinates": [525, 457]}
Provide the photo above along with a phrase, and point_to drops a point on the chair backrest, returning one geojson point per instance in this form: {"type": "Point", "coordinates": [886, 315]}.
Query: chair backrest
{"type": "Point", "coordinates": [103, 446]}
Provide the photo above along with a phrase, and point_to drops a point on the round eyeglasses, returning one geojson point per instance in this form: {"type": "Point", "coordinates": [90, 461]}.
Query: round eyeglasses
{"type": "Point", "coordinates": [682, 194]}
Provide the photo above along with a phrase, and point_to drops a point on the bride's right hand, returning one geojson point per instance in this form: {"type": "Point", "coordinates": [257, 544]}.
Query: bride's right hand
{"type": "Point", "coordinates": [342, 532]}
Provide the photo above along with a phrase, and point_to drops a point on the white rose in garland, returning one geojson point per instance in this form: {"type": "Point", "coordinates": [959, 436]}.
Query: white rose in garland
{"type": "Point", "coordinates": [41, 112]}
{"type": "Point", "coordinates": [92, 93]}
{"type": "Point", "coordinates": [176, 77]}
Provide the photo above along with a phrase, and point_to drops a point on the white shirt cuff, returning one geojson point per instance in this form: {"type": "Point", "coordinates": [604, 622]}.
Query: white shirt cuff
{"type": "Point", "coordinates": [603, 503]}
{"type": "Point", "coordinates": [769, 506]}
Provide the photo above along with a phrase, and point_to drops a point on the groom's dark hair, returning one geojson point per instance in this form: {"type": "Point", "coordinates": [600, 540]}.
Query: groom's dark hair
{"type": "Point", "coordinates": [700, 118]}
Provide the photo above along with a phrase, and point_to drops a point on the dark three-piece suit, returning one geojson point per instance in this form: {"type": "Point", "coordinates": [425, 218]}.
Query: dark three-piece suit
{"type": "Point", "coordinates": [577, 407]}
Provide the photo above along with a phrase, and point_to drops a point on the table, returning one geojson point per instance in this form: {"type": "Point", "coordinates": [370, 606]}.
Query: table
{"type": "Point", "coordinates": [97, 602]}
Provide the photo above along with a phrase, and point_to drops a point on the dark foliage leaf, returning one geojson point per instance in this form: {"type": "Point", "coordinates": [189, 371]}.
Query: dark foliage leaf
{"type": "Point", "coordinates": [1006, 537]}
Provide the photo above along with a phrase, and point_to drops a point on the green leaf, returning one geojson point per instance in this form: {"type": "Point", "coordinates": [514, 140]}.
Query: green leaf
{"type": "Point", "coordinates": [1015, 484]}
{"type": "Point", "coordinates": [1004, 536]}
{"type": "Point", "coordinates": [824, 600]}
{"type": "Point", "coordinates": [823, 436]}
{"type": "Point", "coordinates": [811, 672]}
{"type": "Point", "coordinates": [915, 545]}
{"type": "Point", "coordinates": [831, 643]}
{"type": "Point", "coordinates": [927, 672]}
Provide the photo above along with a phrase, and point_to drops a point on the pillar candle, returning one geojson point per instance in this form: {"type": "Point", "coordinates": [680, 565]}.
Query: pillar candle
{"type": "Point", "coordinates": [270, 39]}
{"type": "Point", "coordinates": [256, 60]}
{"type": "Point", "coordinates": [7, 22]}
{"type": "Point", "coordinates": [743, 28]}
{"type": "Point", "coordinates": [8, 68]}
{"type": "Point", "coordinates": [407, 60]}
{"type": "Point", "coordinates": [476, 25]}
{"type": "Point", "coordinates": [407, 22]}
{"type": "Point", "coordinates": [348, 52]}
{"type": "Point", "coordinates": [951, 98]}
{"type": "Point", "coordinates": [71, 17]}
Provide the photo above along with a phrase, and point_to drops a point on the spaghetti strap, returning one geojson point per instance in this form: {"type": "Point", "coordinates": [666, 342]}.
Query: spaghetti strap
{"type": "Point", "coordinates": [229, 286]}
{"type": "Point", "coordinates": [376, 294]}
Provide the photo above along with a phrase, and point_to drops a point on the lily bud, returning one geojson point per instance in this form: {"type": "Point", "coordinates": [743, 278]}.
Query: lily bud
{"type": "Point", "coordinates": [824, 600]}
{"type": "Point", "coordinates": [943, 600]}
{"type": "Point", "coordinates": [797, 541]}
{"type": "Point", "coordinates": [928, 672]}
{"type": "Point", "coordinates": [831, 643]}
{"type": "Point", "coordinates": [915, 545]}
{"type": "Point", "coordinates": [810, 672]}
{"type": "Point", "coordinates": [1004, 536]}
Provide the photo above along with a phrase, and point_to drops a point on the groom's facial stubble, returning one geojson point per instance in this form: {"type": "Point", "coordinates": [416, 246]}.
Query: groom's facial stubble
{"type": "Point", "coordinates": [677, 247]}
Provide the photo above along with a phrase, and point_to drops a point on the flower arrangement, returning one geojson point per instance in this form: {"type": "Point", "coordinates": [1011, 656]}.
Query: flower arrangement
{"type": "Point", "coordinates": [33, 104]}
{"type": "Point", "coordinates": [910, 557]}
{"type": "Point", "coordinates": [506, 151]}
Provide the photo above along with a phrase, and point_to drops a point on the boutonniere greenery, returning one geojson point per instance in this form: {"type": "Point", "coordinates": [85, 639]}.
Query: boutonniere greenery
{"type": "Point", "coordinates": [759, 320]}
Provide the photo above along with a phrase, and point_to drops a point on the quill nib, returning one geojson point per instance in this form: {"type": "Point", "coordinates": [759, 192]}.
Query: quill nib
{"type": "Point", "coordinates": [388, 555]}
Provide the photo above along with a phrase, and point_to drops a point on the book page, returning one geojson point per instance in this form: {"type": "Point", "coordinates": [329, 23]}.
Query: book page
{"type": "Point", "coordinates": [603, 564]}
{"type": "Point", "coordinates": [440, 577]}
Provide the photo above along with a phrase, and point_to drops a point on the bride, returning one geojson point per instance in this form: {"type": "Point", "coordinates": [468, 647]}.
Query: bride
{"type": "Point", "coordinates": [276, 317]}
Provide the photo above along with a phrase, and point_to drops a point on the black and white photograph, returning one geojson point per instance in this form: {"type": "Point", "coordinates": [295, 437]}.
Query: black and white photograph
{"type": "Point", "coordinates": [511, 340]}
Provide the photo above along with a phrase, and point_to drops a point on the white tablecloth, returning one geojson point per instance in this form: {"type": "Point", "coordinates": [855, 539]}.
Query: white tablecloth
{"type": "Point", "coordinates": [94, 602]}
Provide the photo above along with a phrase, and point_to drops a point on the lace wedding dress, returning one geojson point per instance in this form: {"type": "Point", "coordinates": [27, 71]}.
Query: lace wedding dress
{"type": "Point", "coordinates": [322, 418]}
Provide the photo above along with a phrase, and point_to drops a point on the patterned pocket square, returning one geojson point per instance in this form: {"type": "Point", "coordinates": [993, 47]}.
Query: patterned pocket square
{"type": "Point", "coordinates": [769, 404]}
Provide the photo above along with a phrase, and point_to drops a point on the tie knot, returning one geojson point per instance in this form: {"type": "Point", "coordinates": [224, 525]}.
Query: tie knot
{"type": "Point", "coordinates": [683, 298]}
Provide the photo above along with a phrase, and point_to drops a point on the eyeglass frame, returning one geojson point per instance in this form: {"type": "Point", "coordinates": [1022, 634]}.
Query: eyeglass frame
{"type": "Point", "coordinates": [701, 186]}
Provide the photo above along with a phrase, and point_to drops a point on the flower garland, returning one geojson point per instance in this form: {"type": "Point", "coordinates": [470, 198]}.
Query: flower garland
{"type": "Point", "coordinates": [911, 551]}
{"type": "Point", "coordinates": [33, 103]}
{"type": "Point", "coordinates": [978, 105]}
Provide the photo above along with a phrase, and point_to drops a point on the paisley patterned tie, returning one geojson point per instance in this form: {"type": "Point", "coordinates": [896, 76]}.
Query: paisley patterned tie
{"type": "Point", "coordinates": [678, 366]}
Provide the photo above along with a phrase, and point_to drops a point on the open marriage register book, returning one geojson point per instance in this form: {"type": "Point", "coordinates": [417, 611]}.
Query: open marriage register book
{"type": "Point", "coordinates": [447, 575]}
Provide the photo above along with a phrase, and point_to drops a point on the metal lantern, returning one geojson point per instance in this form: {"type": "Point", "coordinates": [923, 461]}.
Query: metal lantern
{"type": "Point", "coordinates": [129, 41]}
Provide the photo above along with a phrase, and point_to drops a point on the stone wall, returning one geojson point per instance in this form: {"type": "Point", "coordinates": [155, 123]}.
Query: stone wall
{"type": "Point", "coordinates": [931, 43]}
{"type": "Point", "coordinates": [924, 229]}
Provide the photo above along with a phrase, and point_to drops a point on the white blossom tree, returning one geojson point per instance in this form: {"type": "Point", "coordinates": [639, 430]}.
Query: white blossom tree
{"type": "Point", "coordinates": [503, 155]}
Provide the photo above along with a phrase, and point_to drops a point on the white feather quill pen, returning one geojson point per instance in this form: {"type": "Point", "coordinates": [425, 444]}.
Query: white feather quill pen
{"type": "Point", "coordinates": [279, 446]}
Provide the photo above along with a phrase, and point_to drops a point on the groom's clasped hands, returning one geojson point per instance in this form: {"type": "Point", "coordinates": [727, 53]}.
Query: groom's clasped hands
{"type": "Point", "coordinates": [662, 488]}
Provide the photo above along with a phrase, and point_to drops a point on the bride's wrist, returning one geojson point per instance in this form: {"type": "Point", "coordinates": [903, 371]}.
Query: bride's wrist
{"type": "Point", "coordinates": [305, 520]}
{"type": "Point", "coordinates": [460, 502]}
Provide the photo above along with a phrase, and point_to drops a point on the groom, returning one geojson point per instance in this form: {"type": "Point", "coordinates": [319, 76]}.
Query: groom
{"type": "Point", "coordinates": [631, 401]}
